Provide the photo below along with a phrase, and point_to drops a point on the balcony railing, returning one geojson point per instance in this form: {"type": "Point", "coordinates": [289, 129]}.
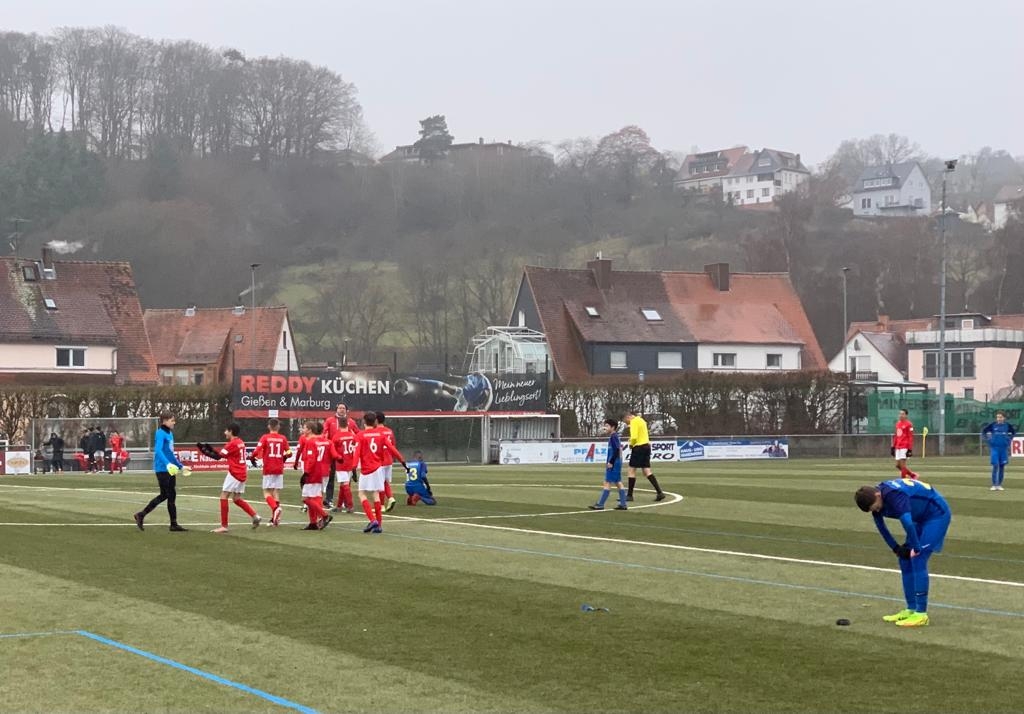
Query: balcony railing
{"type": "Point", "coordinates": [985, 334]}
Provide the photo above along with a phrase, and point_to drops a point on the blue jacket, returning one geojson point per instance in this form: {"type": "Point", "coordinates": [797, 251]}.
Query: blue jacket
{"type": "Point", "coordinates": [163, 450]}
{"type": "Point", "coordinates": [999, 435]}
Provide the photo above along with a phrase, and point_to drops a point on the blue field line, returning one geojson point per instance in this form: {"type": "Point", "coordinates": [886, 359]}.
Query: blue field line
{"type": "Point", "coordinates": [697, 573]}
{"type": "Point", "coordinates": [280, 701]}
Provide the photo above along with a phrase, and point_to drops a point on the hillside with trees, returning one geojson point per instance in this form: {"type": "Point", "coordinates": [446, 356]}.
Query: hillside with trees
{"type": "Point", "coordinates": [193, 162]}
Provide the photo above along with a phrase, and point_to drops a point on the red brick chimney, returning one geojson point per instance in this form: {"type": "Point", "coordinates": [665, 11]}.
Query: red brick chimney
{"type": "Point", "coordinates": [602, 270]}
{"type": "Point", "coordinates": [883, 323]}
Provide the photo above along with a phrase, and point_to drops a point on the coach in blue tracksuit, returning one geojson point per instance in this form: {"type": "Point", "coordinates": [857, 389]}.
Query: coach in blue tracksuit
{"type": "Point", "coordinates": [925, 516]}
{"type": "Point", "coordinates": [999, 435]}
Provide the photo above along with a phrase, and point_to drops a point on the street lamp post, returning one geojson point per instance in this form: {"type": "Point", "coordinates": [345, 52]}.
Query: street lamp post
{"type": "Point", "coordinates": [252, 288]}
{"type": "Point", "coordinates": [950, 166]}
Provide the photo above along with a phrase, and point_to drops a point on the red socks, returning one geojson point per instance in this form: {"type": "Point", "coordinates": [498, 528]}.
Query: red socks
{"type": "Point", "coordinates": [368, 510]}
{"type": "Point", "coordinates": [907, 473]}
{"type": "Point", "coordinates": [272, 503]}
{"type": "Point", "coordinates": [346, 495]}
{"type": "Point", "coordinates": [223, 513]}
{"type": "Point", "coordinates": [241, 503]}
{"type": "Point", "coordinates": [316, 509]}
{"type": "Point", "coordinates": [387, 489]}
{"type": "Point", "coordinates": [414, 499]}
{"type": "Point", "coordinates": [377, 512]}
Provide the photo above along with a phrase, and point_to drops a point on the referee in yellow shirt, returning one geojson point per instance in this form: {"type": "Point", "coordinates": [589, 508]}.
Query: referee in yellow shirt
{"type": "Point", "coordinates": [640, 454]}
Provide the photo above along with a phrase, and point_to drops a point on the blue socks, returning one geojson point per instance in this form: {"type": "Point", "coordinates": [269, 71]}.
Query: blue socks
{"type": "Point", "coordinates": [604, 497]}
{"type": "Point", "coordinates": [919, 566]}
{"type": "Point", "coordinates": [906, 569]}
{"type": "Point", "coordinates": [995, 474]}
{"type": "Point", "coordinates": [1002, 474]}
{"type": "Point", "coordinates": [622, 497]}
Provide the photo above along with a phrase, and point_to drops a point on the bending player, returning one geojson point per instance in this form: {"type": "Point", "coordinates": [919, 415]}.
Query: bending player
{"type": "Point", "coordinates": [925, 516]}
{"type": "Point", "coordinates": [416, 484]}
{"type": "Point", "coordinates": [273, 449]}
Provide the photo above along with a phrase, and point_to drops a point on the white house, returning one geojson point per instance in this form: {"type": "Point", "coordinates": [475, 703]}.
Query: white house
{"type": "Point", "coordinates": [705, 170]}
{"type": "Point", "coordinates": [1009, 201]}
{"type": "Point", "coordinates": [875, 356]}
{"type": "Point", "coordinates": [892, 190]}
{"type": "Point", "coordinates": [759, 177]}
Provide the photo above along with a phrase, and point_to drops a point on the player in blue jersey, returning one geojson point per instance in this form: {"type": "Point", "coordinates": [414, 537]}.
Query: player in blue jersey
{"type": "Point", "coordinates": [416, 484]}
{"type": "Point", "coordinates": [612, 467]}
{"type": "Point", "coordinates": [925, 517]}
{"type": "Point", "coordinates": [999, 435]}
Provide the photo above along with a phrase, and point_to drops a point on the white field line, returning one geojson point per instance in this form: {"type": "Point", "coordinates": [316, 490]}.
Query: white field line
{"type": "Point", "coordinates": [617, 541]}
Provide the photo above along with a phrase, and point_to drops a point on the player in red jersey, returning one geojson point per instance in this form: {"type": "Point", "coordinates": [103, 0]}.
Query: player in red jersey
{"type": "Point", "coordinates": [234, 483]}
{"type": "Point", "coordinates": [273, 449]}
{"type": "Point", "coordinates": [345, 441]}
{"type": "Point", "coordinates": [318, 455]}
{"type": "Point", "coordinates": [372, 445]}
{"type": "Point", "coordinates": [903, 444]}
{"type": "Point", "coordinates": [115, 442]}
{"type": "Point", "coordinates": [332, 425]}
{"type": "Point", "coordinates": [387, 461]}
{"type": "Point", "coordinates": [304, 434]}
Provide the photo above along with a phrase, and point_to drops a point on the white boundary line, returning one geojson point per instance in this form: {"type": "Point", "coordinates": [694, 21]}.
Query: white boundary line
{"type": "Point", "coordinates": [596, 539]}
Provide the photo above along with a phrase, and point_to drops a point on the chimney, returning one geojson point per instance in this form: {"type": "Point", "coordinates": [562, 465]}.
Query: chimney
{"type": "Point", "coordinates": [883, 322]}
{"type": "Point", "coordinates": [238, 310]}
{"type": "Point", "coordinates": [719, 273]}
{"type": "Point", "coordinates": [190, 311]}
{"type": "Point", "coordinates": [602, 270]}
{"type": "Point", "coordinates": [481, 141]}
{"type": "Point", "coordinates": [47, 257]}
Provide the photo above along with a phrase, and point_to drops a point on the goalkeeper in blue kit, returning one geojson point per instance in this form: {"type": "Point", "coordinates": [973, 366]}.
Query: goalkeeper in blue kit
{"type": "Point", "coordinates": [925, 516]}
{"type": "Point", "coordinates": [416, 484]}
{"type": "Point", "coordinates": [999, 435]}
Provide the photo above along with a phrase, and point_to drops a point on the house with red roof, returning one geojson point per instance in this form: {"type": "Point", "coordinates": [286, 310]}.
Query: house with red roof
{"type": "Point", "coordinates": [71, 322]}
{"type": "Point", "coordinates": [604, 324]}
{"type": "Point", "coordinates": [206, 345]}
{"type": "Point", "coordinates": [984, 354]}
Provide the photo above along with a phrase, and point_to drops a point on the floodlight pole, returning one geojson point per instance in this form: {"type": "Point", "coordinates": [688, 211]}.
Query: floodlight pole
{"type": "Point", "coordinates": [252, 336]}
{"type": "Point", "coordinates": [846, 357]}
{"type": "Point", "coordinates": [950, 166]}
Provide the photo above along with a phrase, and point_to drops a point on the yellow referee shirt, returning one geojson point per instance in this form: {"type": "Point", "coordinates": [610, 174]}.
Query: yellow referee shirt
{"type": "Point", "coordinates": [638, 432]}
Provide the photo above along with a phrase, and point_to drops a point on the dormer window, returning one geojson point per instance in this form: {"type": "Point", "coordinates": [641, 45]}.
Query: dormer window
{"type": "Point", "coordinates": [592, 311]}
{"type": "Point", "coordinates": [30, 272]}
{"type": "Point", "coordinates": [650, 314]}
{"type": "Point", "coordinates": [764, 161]}
{"type": "Point", "coordinates": [50, 303]}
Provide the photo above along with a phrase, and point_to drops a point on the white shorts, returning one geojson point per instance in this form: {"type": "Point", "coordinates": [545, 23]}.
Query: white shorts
{"type": "Point", "coordinates": [387, 472]}
{"type": "Point", "coordinates": [343, 476]}
{"type": "Point", "coordinates": [233, 485]}
{"type": "Point", "coordinates": [97, 455]}
{"type": "Point", "coordinates": [901, 454]}
{"type": "Point", "coordinates": [271, 483]}
{"type": "Point", "coordinates": [313, 490]}
{"type": "Point", "coordinates": [372, 481]}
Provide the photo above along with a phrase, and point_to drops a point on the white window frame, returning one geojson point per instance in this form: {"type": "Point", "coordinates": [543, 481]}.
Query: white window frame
{"type": "Point", "coordinates": [592, 311]}
{"type": "Point", "coordinates": [50, 303]}
{"type": "Point", "coordinates": [71, 357]}
{"type": "Point", "coordinates": [718, 359]}
{"type": "Point", "coordinates": [778, 360]}
{"type": "Point", "coordinates": [650, 314]}
{"type": "Point", "coordinates": [670, 360]}
{"type": "Point", "coordinates": [623, 363]}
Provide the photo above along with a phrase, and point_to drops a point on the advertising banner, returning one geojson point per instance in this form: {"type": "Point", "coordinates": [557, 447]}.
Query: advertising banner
{"type": "Point", "coordinates": [197, 462]}
{"type": "Point", "coordinates": [18, 462]}
{"type": "Point", "coordinates": [712, 448]}
{"type": "Point", "coordinates": [575, 452]}
{"type": "Point", "coordinates": [1017, 446]}
{"type": "Point", "coordinates": [315, 394]}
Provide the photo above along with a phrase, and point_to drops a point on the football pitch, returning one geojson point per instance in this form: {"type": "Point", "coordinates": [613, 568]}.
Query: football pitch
{"type": "Point", "coordinates": [725, 600]}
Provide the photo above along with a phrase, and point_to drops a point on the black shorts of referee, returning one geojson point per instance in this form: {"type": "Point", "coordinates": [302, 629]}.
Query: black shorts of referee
{"type": "Point", "coordinates": [640, 457]}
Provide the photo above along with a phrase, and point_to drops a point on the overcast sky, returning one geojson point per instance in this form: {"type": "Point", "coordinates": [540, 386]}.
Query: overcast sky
{"type": "Point", "coordinates": [799, 75]}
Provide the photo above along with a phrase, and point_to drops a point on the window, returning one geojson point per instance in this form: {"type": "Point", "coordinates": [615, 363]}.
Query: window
{"type": "Point", "coordinates": [750, 179]}
{"type": "Point", "coordinates": [724, 359]}
{"type": "Point", "coordinates": [766, 192]}
{"type": "Point", "coordinates": [70, 356]}
{"type": "Point", "coordinates": [198, 376]}
{"type": "Point", "coordinates": [865, 203]}
{"type": "Point", "coordinates": [29, 272]}
{"type": "Point", "coordinates": [670, 360]}
{"type": "Point", "coordinates": [50, 303]}
{"type": "Point", "coordinates": [774, 360]}
{"type": "Point", "coordinates": [284, 339]}
{"type": "Point", "coordinates": [522, 318]}
{"type": "Point", "coordinates": [764, 161]}
{"type": "Point", "coordinates": [969, 393]}
{"type": "Point", "coordinates": [617, 359]}
{"type": "Point", "coordinates": [650, 314]}
{"type": "Point", "coordinates": [959, 364]}
{"type": "Point", "coordinates": [592, 311]}
{"type": "Point", "coordinates": [750, 193]}
{"type": "Point", "coordinates": [967, 324]}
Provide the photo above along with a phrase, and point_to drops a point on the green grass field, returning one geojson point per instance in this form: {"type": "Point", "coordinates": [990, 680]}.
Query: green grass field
{"type": "Point", "coordinates": [724, 601]}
